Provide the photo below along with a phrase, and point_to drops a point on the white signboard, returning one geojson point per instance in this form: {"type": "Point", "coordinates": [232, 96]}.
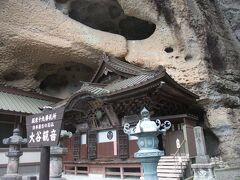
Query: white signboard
{"type": "Point", "coordinates": [177, 143]}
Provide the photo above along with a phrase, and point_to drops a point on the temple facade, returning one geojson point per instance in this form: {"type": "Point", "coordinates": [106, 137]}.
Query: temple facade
{"type": "Point", "coordinates": [115, 95]}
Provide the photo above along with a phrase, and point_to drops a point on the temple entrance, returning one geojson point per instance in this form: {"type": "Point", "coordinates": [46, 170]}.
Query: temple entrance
{"type": "Point", "coordinates": [160, 143]}
{"type": "Point", "coordinates": [182, 129]}
{"type": "Point", "coordinates": [170, 142]}
{"type": "Point", "coordinates": [167, 142]}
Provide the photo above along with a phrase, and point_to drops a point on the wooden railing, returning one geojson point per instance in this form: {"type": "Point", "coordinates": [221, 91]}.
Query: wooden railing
{"type": "Point", "coordinates": [122, 172]}
{"type": "Point", "coordinates": [75, 169]}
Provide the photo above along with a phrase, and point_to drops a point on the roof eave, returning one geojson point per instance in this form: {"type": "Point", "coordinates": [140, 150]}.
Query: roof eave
{"type": "Point", "coordinates": [149, 84]}
{"type": "Point", "coordinates": [170, 80]}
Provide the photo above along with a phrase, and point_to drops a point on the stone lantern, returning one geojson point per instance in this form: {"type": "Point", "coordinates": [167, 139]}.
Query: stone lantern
{"type": "Point", "coordinates": [13, 154]}
{"type": "Point", "coordinates": [56, 156]}
{"type": "Point", "coordinates": [147, 132]}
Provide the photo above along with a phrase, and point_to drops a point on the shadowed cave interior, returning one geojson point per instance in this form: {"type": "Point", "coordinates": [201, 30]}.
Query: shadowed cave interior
{"type": "Point", "coordinates": [108, 16]}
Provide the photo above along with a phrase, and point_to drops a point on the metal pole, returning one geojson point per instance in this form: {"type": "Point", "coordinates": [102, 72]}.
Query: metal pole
{"type": "Point", "coordinates": [44, 163]}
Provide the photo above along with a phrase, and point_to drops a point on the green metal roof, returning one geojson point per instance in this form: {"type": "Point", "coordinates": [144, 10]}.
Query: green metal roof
{"type": "Point", "coordinates": [21, 104]}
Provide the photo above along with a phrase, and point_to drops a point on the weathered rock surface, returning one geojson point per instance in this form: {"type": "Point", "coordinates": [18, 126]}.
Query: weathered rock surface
{"type": "Point", "coordinates": [197, 41]}
{"type": "Point", "coordinates": [231, 10]}
{"type": "Point", "coordinates": [224, 122]}
{"type": "Point", "coordinates": [32, 33]}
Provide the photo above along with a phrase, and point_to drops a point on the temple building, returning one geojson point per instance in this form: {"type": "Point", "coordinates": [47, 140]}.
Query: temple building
{"type": "Point", "coordinates": [115, 95]}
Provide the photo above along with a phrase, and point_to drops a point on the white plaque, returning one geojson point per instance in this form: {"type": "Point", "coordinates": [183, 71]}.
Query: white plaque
{"type": "Point", "coordinates": [177, 143]}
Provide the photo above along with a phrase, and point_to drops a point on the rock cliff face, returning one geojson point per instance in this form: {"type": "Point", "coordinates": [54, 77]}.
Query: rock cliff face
{"type": "Point", "coordinates": [49, 46]}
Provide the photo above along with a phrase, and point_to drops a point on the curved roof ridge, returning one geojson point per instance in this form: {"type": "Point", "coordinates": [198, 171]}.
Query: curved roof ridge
{"type": "Point", "coordinates": [125, 66]}
{"type": "Point", "coordinates": [130, 82]}
{"type": "Point", "coordinates": [122, 68]}
{"type": "Point", "coordinates": [92, 88]}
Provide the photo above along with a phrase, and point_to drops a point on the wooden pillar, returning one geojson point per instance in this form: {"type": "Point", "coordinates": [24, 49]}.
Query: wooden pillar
{"type": "Point", "coordinates": [76, 146]}
{"type": "Point", "coordinates": [44, 165]}
{"type": "Point", "coordinates": [92, 144]}
{"type": "Point", "coordinates": [123, 143]}
{"type": "Point", "coordinates": [111, 115]}
{"type": "Point", "coordinates": [186, 139]}
{"type": "Point", "coordinates": [190, 147]}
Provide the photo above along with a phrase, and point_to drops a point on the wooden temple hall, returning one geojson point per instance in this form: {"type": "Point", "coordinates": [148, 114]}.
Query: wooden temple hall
{"type": "Point", "coordinates": [116, 94]}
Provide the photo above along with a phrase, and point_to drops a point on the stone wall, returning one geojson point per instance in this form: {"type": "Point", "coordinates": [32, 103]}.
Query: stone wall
{"type": "Point", "coordinates": [228, 173]}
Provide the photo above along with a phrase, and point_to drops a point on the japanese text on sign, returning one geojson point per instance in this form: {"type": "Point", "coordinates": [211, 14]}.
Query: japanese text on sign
{"type": "Point", "coordinates": [41, 119]}
{"type": "Point", "coordinates": [43, 129]}
{"type": "Point", "coordinates": [43, 135]}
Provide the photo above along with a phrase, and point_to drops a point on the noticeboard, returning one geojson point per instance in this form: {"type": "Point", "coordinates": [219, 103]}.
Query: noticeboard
{"type": "Point", "coordinates": [43, 129]}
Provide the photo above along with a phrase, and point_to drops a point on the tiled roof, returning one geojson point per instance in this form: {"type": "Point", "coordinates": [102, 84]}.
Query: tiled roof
{"type": "Point", "coordinates": [122, 69]}
{"type": "Point", "coordinates": [126, 67]}
{"type": "Point", "coordinates": [21, 104]}
{"type": "Point", "coordinates": [116, 86]}
{"type": "Point", "coordinates": [128, 83]}
{"type": "Point", "coordinates": [93, 89]}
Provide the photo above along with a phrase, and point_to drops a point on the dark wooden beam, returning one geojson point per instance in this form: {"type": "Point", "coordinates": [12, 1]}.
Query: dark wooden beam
{"type": "Point", "coordinates": [111, 115]}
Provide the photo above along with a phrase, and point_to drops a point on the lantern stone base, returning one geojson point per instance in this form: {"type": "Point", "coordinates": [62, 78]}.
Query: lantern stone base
{"type": "Point", "coordinates": [56, 162]}
{"type": "Point", "coordinates": [149, 160]}
{"type": "Point", "coordinates": [12, 177]}
{"type": "Point", "coordinates": [149, 167]}
{"type": "Point", "coordinates": [203, 171]}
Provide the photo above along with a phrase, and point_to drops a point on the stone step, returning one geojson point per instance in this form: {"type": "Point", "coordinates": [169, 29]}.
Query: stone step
{"type": "Point", "coordinates": [174, 160]}
{"type": "Point", "coordinates": [171, 167]}
{"type": "Point", "coordinates": [163, 178]}
{"type": "Point", "coordinates": [173, 170]}
{"type": "Point", "coordinates": [170, 157]}
{"type": "Point", "coordinates": [172, 163]}
{"type": "Point", "coordinates": [169, 175]}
